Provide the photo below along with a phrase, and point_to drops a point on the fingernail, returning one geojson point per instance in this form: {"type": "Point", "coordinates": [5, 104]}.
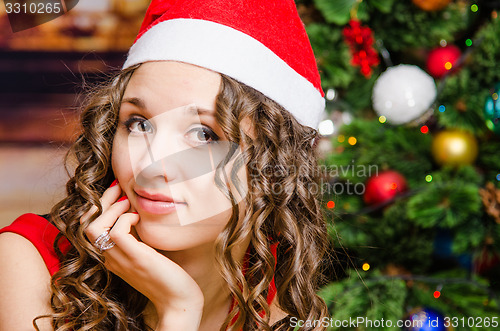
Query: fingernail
{"type": "Point", "coordinates": [114, 183]}
{"type": "Point", "coordinates": [134, 212]}
{"type": "Point", "coordinates": [122, 198]}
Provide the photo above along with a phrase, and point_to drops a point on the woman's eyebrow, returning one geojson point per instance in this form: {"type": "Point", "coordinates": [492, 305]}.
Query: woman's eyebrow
{"type": "Point", "coordinates": [139, 103]}
{"type": "Point", "coordinates": [200, 111]}
{"type": "Point", "coordinates": [193, 110]}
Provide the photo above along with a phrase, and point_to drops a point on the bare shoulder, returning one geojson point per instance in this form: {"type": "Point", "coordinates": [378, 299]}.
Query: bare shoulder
{"type": "Point", "coordinates": [24, 284]}
{"type": "Point", "coordinates": [276, 312]}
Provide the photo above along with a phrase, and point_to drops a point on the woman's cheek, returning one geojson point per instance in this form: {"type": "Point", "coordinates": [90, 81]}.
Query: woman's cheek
{"type": "Point", "coordinates": [121, 163]}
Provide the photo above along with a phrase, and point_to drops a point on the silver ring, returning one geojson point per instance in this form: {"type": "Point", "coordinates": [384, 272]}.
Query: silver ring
{"type": "Point", "coordinates": [104, 242]}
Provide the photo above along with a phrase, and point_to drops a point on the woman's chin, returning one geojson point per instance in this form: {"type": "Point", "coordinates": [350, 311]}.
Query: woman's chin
{"type": "Point", "coordinates": [176, 237]}
{"type": "Point", "coordinates": [163, 236]}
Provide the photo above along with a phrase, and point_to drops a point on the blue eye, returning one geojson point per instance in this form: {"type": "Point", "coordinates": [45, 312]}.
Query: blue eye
{"type": "Point", "coordinates": [203, 135]}
{"type": "Point", "coordinates": [138, 125]}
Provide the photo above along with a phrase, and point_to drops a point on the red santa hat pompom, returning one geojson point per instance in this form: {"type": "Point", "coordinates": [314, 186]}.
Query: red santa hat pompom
{"type": "Point", "coordinates": [262, 44]}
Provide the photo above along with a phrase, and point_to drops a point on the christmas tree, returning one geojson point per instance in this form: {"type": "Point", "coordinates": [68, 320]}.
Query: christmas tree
{"type": "Point", "coordinates": [410, 159]}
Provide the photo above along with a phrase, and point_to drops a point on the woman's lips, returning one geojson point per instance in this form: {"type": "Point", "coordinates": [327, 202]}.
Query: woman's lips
{"type": "Point", "coordinates": [157, 203]}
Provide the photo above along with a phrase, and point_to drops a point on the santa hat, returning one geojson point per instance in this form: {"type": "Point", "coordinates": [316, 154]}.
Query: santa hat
{"type": "Point", "coordinates": [260, 43]}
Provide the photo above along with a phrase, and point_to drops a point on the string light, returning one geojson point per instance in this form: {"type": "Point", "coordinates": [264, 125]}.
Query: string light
{"type": "Point", "coordinates": [428, 178]}
{"type": "Point", "coordinates": [330, 204]}
{"type": "Point", "coordinates": [382, 119]}
{"type": "Point", "coordinates": [341, 138]}
{"type": "Point", "coordinates": [366, 266]}
{"type": "Point", "coordinates": [352, 141]}
{"type": "Point", "coordinates": [498, 177]}
{"type": "Point", "coordinates": [424, 129]}
{"type": "Point", "coordinates": [437, 292]}
{"type": "Point", "coordinates": [442, 108]}
{"type": "Point", "coordinates": [346, 118]}
{"type": "Point", "coordinates": [468, 42]}
{"type": "Point", "coordinates": [326, 128]}
{"type": "Point", "coordinates": [448, 65]}
{"type": "Point", "coordinates": [474, 8]}
{"type": "Point", "coordinates": [331, 94]}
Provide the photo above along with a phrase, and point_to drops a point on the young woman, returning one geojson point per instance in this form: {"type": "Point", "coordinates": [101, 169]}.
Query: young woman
{"type": "Point", "coordinates": [194, 201]}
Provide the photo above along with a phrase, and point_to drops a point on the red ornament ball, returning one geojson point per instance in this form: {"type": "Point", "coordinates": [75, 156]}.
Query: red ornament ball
{"type": "Point", "coordinates": [442, 59]}
{"type": "Point", "coordinates": [431, 5]}
{"type": "Point", "coordinates": [384, 186]}
{"type": "Point", "coordinates": [486, 262]}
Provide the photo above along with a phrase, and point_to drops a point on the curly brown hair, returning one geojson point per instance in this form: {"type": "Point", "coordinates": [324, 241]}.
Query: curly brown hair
{"type": "Point", "coordinates": [281, 207]}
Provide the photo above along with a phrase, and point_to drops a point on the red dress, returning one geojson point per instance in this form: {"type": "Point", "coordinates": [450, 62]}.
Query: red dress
{"type": "Point", "coordinates": [41, 233]}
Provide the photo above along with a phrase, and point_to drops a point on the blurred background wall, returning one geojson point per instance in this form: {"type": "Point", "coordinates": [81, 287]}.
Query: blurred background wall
{"type": "Point", "coordinates": [42, 71]}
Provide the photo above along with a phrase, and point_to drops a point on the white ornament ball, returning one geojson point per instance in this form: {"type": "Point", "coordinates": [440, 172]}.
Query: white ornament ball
{"type": "Point", "coordinates": [403, 93]}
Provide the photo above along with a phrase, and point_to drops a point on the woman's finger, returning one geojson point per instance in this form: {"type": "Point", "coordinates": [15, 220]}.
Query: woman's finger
{"type": "Point", "coordinates": [107, 199]}
{"type": "Point", "coordinates": [107, 219]}
{"type": "Point", "coordinates": [121, 234]}
{"type": "Point", "coordinates": [110, 195]}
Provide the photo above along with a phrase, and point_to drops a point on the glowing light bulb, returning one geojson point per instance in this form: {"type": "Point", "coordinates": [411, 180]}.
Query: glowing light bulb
{"type": "Point", "coordinates": [331, 94]}
{"type": "Point", "coordinates": [326, 128]}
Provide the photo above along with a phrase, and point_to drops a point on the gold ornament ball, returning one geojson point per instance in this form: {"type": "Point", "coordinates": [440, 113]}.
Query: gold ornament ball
{"type": "Point", "coordinates": [431, 5]}
{"type": "Point", "coordinates": [454, 147]}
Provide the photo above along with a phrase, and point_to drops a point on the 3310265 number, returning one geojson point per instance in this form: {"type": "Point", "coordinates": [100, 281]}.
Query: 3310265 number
{"type": "Point", "coordinates": [471, 322]}
{"type": "Point", "coordinates": [33, 7]}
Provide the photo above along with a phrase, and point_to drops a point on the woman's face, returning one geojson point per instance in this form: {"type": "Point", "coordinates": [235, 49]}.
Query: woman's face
{"type": "Point", "coordinates": [166, 148]}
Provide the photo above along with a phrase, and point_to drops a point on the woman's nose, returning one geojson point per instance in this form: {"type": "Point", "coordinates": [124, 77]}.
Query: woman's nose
{"type": "Point", "coordinates": [166, 158]}
{"type": "Point", "coordinates": [155, 164]}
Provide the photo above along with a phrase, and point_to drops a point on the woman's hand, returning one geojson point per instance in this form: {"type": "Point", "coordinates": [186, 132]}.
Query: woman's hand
{"type": "Point", "coordinates": [170, 288]}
